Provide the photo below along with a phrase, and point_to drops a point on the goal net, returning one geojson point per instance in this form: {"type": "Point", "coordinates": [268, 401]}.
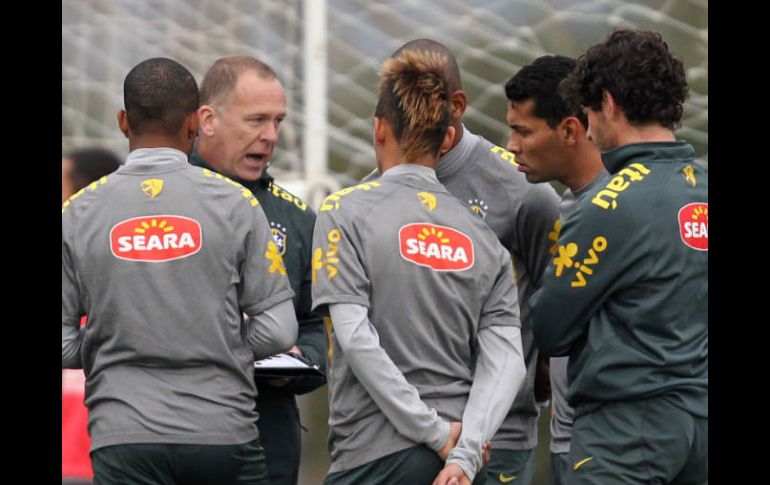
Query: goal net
{"type": "Point", "coordinates": [492, 39]}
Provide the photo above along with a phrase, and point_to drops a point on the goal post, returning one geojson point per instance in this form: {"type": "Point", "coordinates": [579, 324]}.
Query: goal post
{"type": "Point", "coordinates": [327, 54]}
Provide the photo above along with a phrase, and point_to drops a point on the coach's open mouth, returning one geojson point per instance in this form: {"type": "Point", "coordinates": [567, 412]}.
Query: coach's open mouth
{"type": "Point", "coordinates": [257, 157]}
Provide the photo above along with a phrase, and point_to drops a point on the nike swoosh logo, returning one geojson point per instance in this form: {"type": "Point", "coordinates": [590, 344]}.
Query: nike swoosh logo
{"type": "Point", "coordinates": [504, 479]}
{"type": "Point", "coordinates": [582, 462]}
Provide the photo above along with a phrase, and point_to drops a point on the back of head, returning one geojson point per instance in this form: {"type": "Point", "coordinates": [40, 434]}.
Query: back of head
{"type": "Point", "coordinates": [221, 78]}
{"type": "Point", "coordinates": [539, 81]}
{"type": "Point", "coordinates": [159, 94]}
{"type": "Point", "coordinates": [90, 164]}
{"type": "Point", "coordinates": [636, 67]}
{"type": "Point", "coordinates": [451, 70]}
{"type": "Point", "coordinates": [414, 99]}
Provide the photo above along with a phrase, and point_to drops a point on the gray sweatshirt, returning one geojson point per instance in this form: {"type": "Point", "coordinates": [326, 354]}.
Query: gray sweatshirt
{"type": "Point", "coordinates": [424, 316]}
{"type": "Point", "coordinates": [484, 176]}
{"type": "Point", "coordinates": [165, 259]}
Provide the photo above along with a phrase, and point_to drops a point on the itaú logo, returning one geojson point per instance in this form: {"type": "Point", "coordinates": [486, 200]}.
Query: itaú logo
{"type": "Point", "coordinates": [437, 247]}
{"type": "Point", "coordinates": [155, 238]}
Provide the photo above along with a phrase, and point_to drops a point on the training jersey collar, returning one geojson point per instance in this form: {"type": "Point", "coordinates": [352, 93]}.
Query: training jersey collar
{"type": "Point", "coordinates": [420, 171]}
{"type": "Point", "coordinates": [452, 161]}
{"type": "Point", "coordinates": [155, 158]}
{"type": "Point", "coordinates": [621, 156]}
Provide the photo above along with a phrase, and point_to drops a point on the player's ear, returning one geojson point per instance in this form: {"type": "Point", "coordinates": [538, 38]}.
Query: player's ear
{"type": "Point", "coordinates": [609, 106]}
{"type": "Point", "coordinates": [123, 122]}
{"type": "Point", "coordinates": [192, 125]}
{"type": "Point", "coordinates": [459, 103]}
{"type": "Point", "coordinates": [570, 130]}
{"type": "Point", "coordinates": [379, 133]}
{"type": "Point", "coordinates": [449, 139]}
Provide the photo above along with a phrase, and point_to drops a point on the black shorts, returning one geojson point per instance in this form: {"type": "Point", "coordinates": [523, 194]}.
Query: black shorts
{"type": "Point", "coordinates": [166, 464]}
{"type": "Point", "coordinates": [418, 465]}
{"type": "Point", "coordinates": [639, 442]}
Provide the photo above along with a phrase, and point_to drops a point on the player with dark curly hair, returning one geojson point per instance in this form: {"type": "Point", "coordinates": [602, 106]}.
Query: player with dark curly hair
{"type": "Point", "coordinates": [634, 71]}
{"type": "Point", "coordinates": [626, 297]}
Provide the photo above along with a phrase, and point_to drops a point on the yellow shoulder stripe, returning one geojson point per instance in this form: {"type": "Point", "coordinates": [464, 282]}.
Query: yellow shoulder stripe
{"type": "Point", "coordinates": [245, 193]}
{"type": "Point", "coordinates": [90, 187]}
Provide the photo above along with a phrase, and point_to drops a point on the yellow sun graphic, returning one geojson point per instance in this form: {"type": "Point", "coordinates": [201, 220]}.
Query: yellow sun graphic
{"type": "Point", "coordinates": [144, 226]}
{"type": "Point", "coordinates": [425, 233]}
{"type": "Point", "coordinates": [700, 211]}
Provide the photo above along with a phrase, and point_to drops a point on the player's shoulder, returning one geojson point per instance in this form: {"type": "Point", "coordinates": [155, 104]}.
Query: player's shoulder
{"type": "Point", "coordinates": [214, 185]}
{"type": "Point", "coordinates": [496, 156]}
{"type": "Point", "coordinates": [453, 209]}
{"type": "Point", "coordinates": [356, 198]}
{"type": "Point", "coordinates": [634, 186]}
{"type": "Point", "coordinates": [619, 201]}
{"type": "Point", "coordinates": [86, 197]}
{"type": "Point", "coordinates": [499, 163]}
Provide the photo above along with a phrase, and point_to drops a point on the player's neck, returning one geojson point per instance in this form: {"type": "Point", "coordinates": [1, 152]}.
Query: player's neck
{"type": "Point", "coordinates": [586, 166]}
{"type": "Point", "coordinates": [153, 140]}
{"type": "Point", "coordinates": [648, 133]}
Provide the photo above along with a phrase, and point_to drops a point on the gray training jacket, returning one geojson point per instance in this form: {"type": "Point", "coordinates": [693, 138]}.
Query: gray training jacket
{"type": "Point", "coordinates": [563, 413]}
{"type": "Point", "coordinates": [165, 258]}
{"type": "Point", "coordinates": [442, 324]}
{"type": "Point", "coordinates": [521, 214]}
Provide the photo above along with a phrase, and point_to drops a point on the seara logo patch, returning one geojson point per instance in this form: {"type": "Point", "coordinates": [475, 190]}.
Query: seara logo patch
{"type": "Point", "coordinates": [155, 238]}
{"type": "Point", "coordinates": [694, 225]}
{"type": "Point", "coordinates": [437, 247]}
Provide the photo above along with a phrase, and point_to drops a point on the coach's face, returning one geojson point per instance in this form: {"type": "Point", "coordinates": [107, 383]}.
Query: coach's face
{"type": "Point", "coordinates": [245, 127]}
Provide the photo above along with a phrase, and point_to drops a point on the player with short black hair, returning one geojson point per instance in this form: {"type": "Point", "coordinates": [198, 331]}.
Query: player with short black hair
{"type": "Point", "coordinates": [85, 165]}
{"type": "Point", "coordinates": [550, 143]}
{"type": "Point", "coordinates": [165, 259]}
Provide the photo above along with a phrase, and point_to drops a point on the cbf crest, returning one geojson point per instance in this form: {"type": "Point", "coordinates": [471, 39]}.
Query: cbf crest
{"type": "Point", "coordinates": [279, 236]}
{"type": "Point", "coordinates": [479, 207]}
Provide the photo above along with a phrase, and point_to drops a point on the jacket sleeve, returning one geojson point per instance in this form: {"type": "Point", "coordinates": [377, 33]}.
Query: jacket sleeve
{"type": "Point", "coordinates": [273, 330]}
{"type": "Point", "coordinates": [500, 358]}
{"type": "Point", "coordinates": [599, 251]}
{"type": "Point", "coordinates": [264, 293]}
{"type": "Point", "coordinates": [71, 306]}
{"type": "Point", "coordinates": [537, 214]}
{"type": "Point", "coordinates": [398, 400]}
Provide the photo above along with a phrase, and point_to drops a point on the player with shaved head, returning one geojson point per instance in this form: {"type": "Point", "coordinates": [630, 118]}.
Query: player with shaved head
{"type": "Point", "coordinates": [165, 258]}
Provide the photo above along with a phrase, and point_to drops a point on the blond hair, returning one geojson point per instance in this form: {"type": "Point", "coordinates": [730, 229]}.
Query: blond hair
{"type": "Point", "coordinates": [414, 98]}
